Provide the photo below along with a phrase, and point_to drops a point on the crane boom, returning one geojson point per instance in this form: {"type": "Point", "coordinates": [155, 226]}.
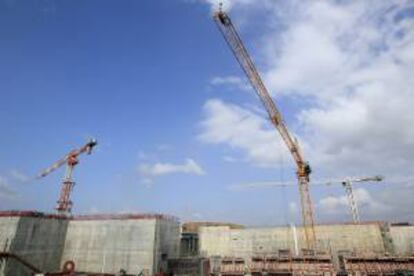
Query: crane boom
{"type": "Point", "coordinates": [70, 156]}
{"type": "Point", "coordinates": [52, 168]}
{"type": "Point", "coordinates": [303, 170]}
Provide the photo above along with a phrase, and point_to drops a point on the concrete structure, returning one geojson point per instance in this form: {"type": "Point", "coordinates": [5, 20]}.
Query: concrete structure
{"type": "Point", "coordinates": [189, 244]}
{"type": "Point", "coordinates": [142, 243]}
{"type": "Point", "coordinates": [135, 243]}
{"type": "Point", "coordinates": [189, 266]}
{"type": "Point", "coordinates": [255, 249]}
{"type": "Point", "coordinates": [189, 235]}
{"type": "Point", "coordinates": [364, 239]}
{"type": "Point", "coordinates": [99, 243]}
{"type": "Point", "coordinates": [193, 226]}
{"type": "Point", "coordinates": [402, 237]}
{"type": "Point", "coordinates": [37, 238]}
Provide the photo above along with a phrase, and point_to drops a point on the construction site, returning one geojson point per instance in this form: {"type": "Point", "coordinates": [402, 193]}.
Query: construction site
{"type": "Point", "coordinates": [149, 244]}
{"type": "Point", "coordinates": [64, 243]}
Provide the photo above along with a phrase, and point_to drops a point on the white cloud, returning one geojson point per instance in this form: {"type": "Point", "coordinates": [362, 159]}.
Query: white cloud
{"type": "Point", "coordinates": [147, 181]}
{"type": "Point", "coordinates": [230, 159]}
{"type": "Point", "coordinates": [369, 206]}
{"type": "Point", "coordinates": [157, 169]}
{"type": "Point", "coordinates": [353, 60]}
{"type": "Point", "coordinates": [5, 191]}
{"type": "Point", "coordinates": [348, 65]}
{"type": "Point", "coordinates": [241, 129]}
{"type": "Point", "coordinates": [19, 176]}
{"type": "Point", "coordinates": [232, 82]}
{"type": "Point", "coordinates": [228, 4]}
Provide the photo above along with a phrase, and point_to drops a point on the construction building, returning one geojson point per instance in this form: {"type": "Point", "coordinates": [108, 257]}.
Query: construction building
{"type": "Point", "coordinates": [369, 247]}
{"type": "Point", "coordinates": [152, 243]}
{"type": "Point", "coordinates": [363, 239]}
{"type": "Point", "coordinates": [37, 238]}
{"type": "Point", "coordinates": [189, 235]}
{"type": "Point", "coordinates": [135, 243]}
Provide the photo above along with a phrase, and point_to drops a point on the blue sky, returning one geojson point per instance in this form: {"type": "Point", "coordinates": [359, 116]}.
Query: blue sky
{"type": "Point", "coordinates": [155, 84]}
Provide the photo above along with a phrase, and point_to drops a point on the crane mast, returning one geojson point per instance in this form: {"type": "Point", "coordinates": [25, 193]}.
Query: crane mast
{"type": "Point", "coordinates": [303, 169]}
{"type": "Point", "coordinates": [64, 204]}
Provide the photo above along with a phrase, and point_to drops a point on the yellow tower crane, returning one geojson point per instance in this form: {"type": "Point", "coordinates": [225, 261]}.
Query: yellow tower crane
{"type": "Point", "coordinates": [303, 169]}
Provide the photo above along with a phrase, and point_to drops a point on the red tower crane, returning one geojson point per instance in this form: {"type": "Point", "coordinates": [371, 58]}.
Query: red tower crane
{"type": "Point", "coordinates": [64, 204]}
{"type": "Point", "coordinates": [303, 169]}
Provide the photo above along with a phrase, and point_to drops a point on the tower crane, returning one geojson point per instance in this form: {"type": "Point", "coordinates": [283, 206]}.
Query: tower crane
{"type": "Point", "coordinates": [64, 204]}
{"type": "Point", "coordinates": [346, 183]}
{"type": "Point", "coordinates": [303, 169]}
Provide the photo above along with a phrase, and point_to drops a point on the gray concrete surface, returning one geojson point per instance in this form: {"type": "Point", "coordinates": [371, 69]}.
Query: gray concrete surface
{"type": "Point", "coordinates": [144, 243]}
{"type": "Point", "coordinates": [8, 229]}
{"type": "Point", "coordinates": [102, 243]}
{"type": "Point", "coordinates": [38, 240]}
{"type": "Point", "coordinates": [223, 241]}
{"type": "Point", "coordinates": [109, 245]}
{"type": "Point", "coordinates": [403, 239]}
{"type": "Point", "coordinates": [167, 243]}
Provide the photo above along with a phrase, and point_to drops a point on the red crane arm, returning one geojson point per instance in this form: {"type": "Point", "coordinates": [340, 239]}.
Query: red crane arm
{"type": "Point", "coordinates": [50, 169]}
{"type": "Point", "coordinates": [70, 158]}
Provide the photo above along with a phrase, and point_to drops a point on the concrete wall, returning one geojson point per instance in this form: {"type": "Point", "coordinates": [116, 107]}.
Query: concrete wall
{"type": "Point", "coordinates": [361, 239]}
{"type": "Point", "coordinates": [8, 228]}
{"type": "Point", "coordinates": [143, 243]}
{"type": "Point", "coordinates": [250, 242]}
{"type": "Point", "coordinates": [167, 242]}
{"type": "Point", "coordinates": [101, 243]}
{"type": "Point", "coordinates": [107, 246]}
{"type": "Point", "coordinates": [403, 239]}
{"type": "Point", "coordinates": [38, 240]}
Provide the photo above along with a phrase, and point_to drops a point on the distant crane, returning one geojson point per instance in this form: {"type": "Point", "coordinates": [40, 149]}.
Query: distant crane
{"type": "Point", "coordinates": [64, 204]}
{"type": "Point", "coordinates": [346, 183]}
{"type": "Point", "coordinates": [303, 169]}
